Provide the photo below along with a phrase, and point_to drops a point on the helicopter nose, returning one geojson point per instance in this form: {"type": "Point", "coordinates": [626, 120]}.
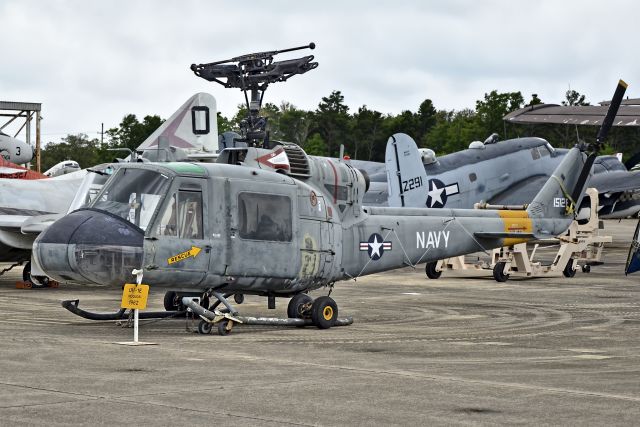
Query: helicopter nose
{"type": "Point", "coordinates": [90, 245]}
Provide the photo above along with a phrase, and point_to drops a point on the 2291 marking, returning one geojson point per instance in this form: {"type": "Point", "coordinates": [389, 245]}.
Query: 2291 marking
{"type": "Point", "coordinates": [412, 184]}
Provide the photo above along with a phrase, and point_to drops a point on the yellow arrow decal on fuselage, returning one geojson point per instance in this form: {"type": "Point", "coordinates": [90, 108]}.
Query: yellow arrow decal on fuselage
{"type": "Point", "coordinates": [193, 252]}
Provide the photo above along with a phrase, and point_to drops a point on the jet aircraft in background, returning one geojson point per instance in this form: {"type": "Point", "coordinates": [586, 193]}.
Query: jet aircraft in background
{"type": "Point", "coordinates": [14, 150]}
{"type": "Point", "coordinates": [63, 168]}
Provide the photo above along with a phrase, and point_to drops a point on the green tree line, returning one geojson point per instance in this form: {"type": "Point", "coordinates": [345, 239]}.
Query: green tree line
{"type": "Point", "coordinates": [364, 132]}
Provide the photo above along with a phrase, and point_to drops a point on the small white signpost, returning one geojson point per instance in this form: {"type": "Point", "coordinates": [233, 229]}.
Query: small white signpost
{"type": "Point", "coordinates": [134, 297]}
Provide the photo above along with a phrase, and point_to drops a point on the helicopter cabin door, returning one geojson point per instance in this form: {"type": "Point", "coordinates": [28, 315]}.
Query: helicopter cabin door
{"type": "Point", "coordinates": [262, 230]}
{"type": "Point", "coordinates": [177, 242]}
{"type": "Point", "coordinates": [317, 240]}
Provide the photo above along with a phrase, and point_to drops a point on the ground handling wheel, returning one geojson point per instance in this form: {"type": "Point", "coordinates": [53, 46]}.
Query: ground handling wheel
{"type": "Point", "coordinates": [294, 309]}
{"type": "Point", "coordinates": [324, 312]}
{"type": "Point", "coordinates": [568, 269]}
{"type": "Point", "coordinates": [431, 271]}
{"type": "Point", "coordinates": [204, 327]}
{"type": "Point", "coordinates": [586, 268]}
{"type": "Point", "coordinates": [171, 301]}
{"type": "Point", "coordinates": [498, 272]}
{"type": "Point", "coordinates": [223, 330]}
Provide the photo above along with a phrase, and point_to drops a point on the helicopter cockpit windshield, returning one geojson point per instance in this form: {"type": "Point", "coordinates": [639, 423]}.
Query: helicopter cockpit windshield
{"type": "Point", "coordinates": [91, 185]}
{"type": "Point", "coordinates": [133, 194]}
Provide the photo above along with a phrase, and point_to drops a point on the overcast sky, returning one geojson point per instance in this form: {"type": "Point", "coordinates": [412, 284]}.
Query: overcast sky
{"type": "Point", "coordinates": [90, 62]}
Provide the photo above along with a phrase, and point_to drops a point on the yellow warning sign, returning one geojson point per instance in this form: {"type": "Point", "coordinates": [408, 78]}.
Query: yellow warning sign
{"type": "Point", "coordinates": [193, 252]}
{"type": "Point", "coordinates": [135, 296]}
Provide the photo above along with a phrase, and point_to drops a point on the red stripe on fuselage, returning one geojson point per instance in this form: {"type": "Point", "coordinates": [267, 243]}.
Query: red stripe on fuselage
{"type": "Point", "coordinates": [335, 182]}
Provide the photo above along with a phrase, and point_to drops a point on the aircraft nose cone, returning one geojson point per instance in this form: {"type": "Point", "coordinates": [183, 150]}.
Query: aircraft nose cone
{"type": "Point", "coordinates": [90, 246]}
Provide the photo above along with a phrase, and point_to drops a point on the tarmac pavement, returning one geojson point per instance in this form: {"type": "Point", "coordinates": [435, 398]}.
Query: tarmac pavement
{"type": "Point", "coordinates": [462, 349]}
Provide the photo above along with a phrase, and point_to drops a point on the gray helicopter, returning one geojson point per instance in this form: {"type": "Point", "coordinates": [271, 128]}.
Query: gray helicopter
{"type": "Point", "coordinates": [245, 230]}
{"type": "Point", "coordinates": [275, 222]}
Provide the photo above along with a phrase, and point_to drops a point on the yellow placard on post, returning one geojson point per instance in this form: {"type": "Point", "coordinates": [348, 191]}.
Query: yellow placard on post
{"type": "Point", "coordinates": [135, 296]}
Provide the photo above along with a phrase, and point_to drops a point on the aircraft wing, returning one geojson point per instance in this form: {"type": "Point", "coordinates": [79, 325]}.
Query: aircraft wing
{"type": "Point", "coordinates": [11, 170]}
{"type": "Point", "coordinates": [611, 182]}
{"type": "Point", "coordinates": [37, 224]}
{"type": "Point", "coordinates": [616, 182]}
{"type": "Point", "coordinates": [11, 236]}
{"type": "Point", "coordinates": [12, 222]}
{"type": "Point", "coordinates": [27, 224]}
{"type": "Point", "coordinates": [27, 206]}
{"type": "Point", "coordinates": [520, 193]}
{"type": "Point", "coordinates": [628, 115]}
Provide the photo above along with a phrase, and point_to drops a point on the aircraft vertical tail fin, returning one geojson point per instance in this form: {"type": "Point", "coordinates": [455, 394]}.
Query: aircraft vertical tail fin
{"type": "Point", "coordinates": [406, 177]}
{"type": "Point", "coordinates": [555, 199]}
{"type": "Point", "coordinates": [193, 127]}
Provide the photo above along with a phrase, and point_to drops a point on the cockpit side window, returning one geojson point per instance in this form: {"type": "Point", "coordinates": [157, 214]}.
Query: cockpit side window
{"type": "Point", "coordinates": [183, 216]}
{"type": "Point", "coordinates": [544, 150]}
{"type": "Point", "coordinates": [535, 154]}
{"type": "Point", "coordinates": [190, 214]}
{"type": "Point", "coordinates": [264, 217]}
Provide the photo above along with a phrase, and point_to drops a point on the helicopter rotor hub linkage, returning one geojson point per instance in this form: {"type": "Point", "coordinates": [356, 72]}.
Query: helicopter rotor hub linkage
{"type": "Point", "coordinates": [252, 74]}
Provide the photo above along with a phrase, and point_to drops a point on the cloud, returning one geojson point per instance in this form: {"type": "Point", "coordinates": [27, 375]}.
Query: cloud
{"type": "Point", "coordinates": [94, 62]}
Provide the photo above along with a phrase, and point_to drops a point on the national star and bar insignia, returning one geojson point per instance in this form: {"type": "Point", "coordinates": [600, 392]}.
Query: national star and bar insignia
{"type": "Point", "coordinates": [375, 246]}
{"type": "Point", "coordinates": [438, 192]}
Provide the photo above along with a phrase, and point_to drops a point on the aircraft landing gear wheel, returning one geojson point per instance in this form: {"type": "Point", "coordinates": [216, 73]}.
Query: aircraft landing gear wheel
{"type": "Point", "coordinates": [222, 328]}
{"type": "Point", "coordinates": [39, 282]}
{"type": "Point", "coordinates": [294, 309]}
{"type": "Point", "coordinates": [431, 271]}
{"type": "Point", "coordinates": [170, 301]}
{"type": "Point", "coordinates": [324, 312]}
{"type": "Point", "coordinates": [204, 327]}
{"type": "Point", "coordinates": [586, 268]}
{"type": "Point", "coordinates": [568, 270]}
{"type": "Point", "coordinates": [498, 272]}
{"type": "Point", "coordinates": [26, 272]}
{"type": "Point", "coordinates": [35, 281]}
{"type": "Point", "coordinates": [238, 298]}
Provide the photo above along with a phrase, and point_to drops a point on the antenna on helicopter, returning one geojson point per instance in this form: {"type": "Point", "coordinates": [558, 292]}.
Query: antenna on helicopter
{"type": "Point", "coordinates": [253, 73]}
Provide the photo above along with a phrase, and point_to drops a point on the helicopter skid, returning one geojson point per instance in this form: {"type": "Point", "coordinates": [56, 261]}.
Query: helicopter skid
{"type": "Point", "coordinates": [72, 306]}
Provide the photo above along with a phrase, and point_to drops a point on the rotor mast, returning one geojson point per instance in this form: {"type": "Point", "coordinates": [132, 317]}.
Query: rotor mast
{"type": "Point", "coordinates": [252, 73]}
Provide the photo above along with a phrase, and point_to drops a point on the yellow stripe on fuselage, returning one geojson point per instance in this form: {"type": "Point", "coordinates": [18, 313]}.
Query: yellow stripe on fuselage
{"type": "Point", "coordinates": [515, 222]}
